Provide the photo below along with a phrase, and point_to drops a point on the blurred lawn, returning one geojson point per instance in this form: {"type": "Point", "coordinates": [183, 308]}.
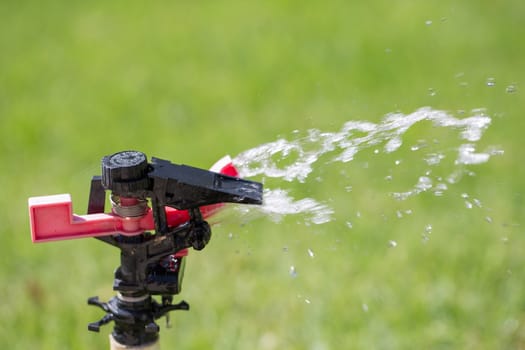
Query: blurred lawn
{"type": "Point", "coordinates": [192, 81]}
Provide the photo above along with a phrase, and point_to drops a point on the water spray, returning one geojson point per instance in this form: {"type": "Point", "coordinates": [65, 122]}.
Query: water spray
{"type": "Point", "coordinates": [158, 212]}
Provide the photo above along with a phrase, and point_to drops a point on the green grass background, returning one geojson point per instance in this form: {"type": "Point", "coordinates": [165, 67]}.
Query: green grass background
{"type": "Point", "coordinates": [191, 81]}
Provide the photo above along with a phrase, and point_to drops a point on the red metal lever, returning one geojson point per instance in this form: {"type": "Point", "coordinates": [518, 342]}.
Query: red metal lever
{"type": "Point", "coordinates": [51, 217]}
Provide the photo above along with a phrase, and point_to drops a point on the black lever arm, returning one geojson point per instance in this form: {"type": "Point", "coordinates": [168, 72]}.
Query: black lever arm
{"type": "Point", "coordinates": [128, 174]}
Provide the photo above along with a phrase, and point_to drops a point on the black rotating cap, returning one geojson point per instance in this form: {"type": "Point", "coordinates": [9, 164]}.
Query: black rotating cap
{"type": "Point", "coordinates": [125, 173]}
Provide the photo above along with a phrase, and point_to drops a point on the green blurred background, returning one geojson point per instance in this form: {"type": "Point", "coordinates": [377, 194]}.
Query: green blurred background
{"type": "Point", "coordinates": [193, 81]}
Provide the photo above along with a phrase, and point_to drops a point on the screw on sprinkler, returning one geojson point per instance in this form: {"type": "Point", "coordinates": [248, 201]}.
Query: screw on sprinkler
{"type": "Point", "coordinates": [153, 241]}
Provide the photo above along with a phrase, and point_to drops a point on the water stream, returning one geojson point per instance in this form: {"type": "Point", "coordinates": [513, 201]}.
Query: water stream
{"type": "Point", "coordinates": [292, 160]}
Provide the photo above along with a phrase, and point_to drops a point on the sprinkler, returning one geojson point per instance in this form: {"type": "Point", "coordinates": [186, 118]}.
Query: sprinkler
{"type": "Point", "coordinates": [158, 212]}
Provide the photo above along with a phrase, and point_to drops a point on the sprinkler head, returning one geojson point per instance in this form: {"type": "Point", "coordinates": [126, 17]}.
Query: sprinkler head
{"type": "Point", "coordinates": [152, 263]}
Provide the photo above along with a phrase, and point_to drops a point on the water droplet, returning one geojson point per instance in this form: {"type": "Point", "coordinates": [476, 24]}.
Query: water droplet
{"type": "Point", "coordinates": [491, 82]}
{"type": "Point", "coordinates": [388, 178]}
{"type": "Point", "coordinates": [440, 189]}
{"type": "Point", "coordinates": [399, 214]}
{"type": "Point", "coordinates": [401, 196]}
{"type": "Point", "coordinates": [431, 92]}
{"type": "Point", "coordinates": [364, 307]}
{"type": "Point", "coordinates": [468, 204]}
{"type": "Point", "coordinates": [424, 183]}
{"type": "Point", "coordinates": [392, 244]}
{"type": "Point", "coordinates": [376, 151]}
{"type": "Point", "coordinates": [311, 253]}
{"type": "Point", "coordinates": [494, 151]}
{"type": "Point", "coordinates": [397, 162]}
{"type": "Point", "coordinates": [358, 214]}
{"type": "Point", "coordinates": [510, 326]}
{"type": "Point", "coordinates": [307, 301]}
{"type": "Point", "coordinates": [512, 88]}
{"type": "Point", "coordinates": [425, 236]}
{"type": "Point", "coordinates": [393, 144]}
{"type": "Point", "coordinates": [488, 219]}
{"type": "Point", "coordinates": [454, 177]}
{"type": "Point", "coordinates": [349, 225]}
{"type": "Point", "coordinates": [477, 202]}
{"type": "Point", "coordinates": [348, 188]}
{"type": "Point", "coordinates": [293, 272]}
{"type": "Point", "coordinates": [428, 22]}
{"type": "Point", "coordinates": [230, 235]}
{"type": "Point", "coordinates": [434, 158]}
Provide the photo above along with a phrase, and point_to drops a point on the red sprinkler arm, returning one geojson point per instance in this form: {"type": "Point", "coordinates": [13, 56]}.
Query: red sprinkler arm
{"type": "Point", "coordinates": [52, 218]}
